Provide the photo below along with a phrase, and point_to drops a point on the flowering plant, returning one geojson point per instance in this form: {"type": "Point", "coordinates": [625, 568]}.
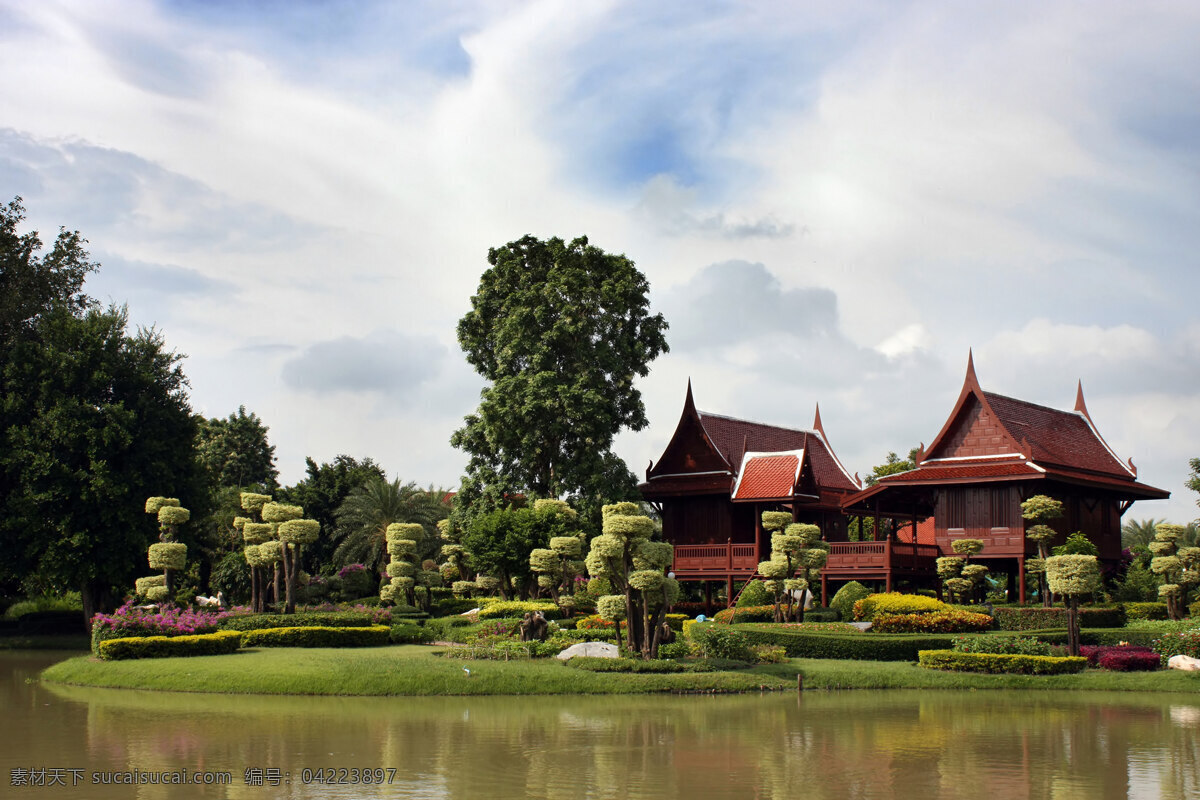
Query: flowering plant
{"type": "Point", "coordinates": [128, 620]}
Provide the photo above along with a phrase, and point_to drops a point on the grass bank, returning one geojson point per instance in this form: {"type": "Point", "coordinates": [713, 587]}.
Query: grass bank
{"type": "Point", "coordinates": [398, 670]}
{"type": "Point", "coordinates": [416, 671]}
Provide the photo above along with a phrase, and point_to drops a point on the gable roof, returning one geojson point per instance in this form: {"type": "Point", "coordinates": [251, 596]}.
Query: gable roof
{"type": "Point", "coordinates": [768, 476]}
{"type": "Point", "coordinates": [714, 445]}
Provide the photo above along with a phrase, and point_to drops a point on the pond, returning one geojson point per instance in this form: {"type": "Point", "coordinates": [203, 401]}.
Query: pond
{"type": "Point", "coordinates": [820, 745]}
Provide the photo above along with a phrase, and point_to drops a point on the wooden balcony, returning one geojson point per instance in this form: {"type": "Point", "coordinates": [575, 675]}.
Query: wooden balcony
{"type": "Point", "coordinates": [715, 560]}
{"type": "Point", "coordinates": [848, 560]}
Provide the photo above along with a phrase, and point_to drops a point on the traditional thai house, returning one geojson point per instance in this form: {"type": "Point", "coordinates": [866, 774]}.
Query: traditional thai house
{"type": "Point", "coordinates": [718, 474]}
{"type": "Point", "coordinates": [992, 453]}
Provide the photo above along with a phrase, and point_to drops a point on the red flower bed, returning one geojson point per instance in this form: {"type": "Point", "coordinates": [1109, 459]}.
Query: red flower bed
{"type": "Point", "coordinates": [1121, 658]}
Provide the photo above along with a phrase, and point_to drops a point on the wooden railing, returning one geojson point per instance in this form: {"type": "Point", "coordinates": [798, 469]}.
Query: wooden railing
{"type": "Point", "coordinates": [716, 558]}
{"type": "Point", "coordinates": [849, 556]}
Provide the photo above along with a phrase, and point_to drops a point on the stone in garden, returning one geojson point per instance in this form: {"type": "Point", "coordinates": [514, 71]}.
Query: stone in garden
{"type": "Point", "coordinates": [1186, 663]}
{"type": "Point", "coordinates": [590, 649]}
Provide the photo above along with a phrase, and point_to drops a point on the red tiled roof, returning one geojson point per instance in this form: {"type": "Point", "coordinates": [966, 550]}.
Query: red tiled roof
{"type": "Point", "coordinates": [954, 472]}
{"type": "Point", "coordinates": [1066, 438]}
{"type": "Point", "coordinates": [765, 477]}
{"type": "Point", "coordinates": [735, 437]}
{"type": "Point", "coordinates": [1119, 484]}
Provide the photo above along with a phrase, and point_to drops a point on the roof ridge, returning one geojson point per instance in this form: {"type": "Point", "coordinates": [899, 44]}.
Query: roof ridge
{"type": "Point", "coordinates": [753, 422]}
{"type": "Point", "coordinates": [1071, 413]}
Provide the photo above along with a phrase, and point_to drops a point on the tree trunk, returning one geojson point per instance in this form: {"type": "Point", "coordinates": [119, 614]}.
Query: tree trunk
{"type": "Point", "coordinates": [277, 597]}
{"type": "Point", "coordinates": [291, 565]}
{"type": "Point", "coordinates": [170, 576]}
{"type": "Point", "coordinates": [1073, 626]}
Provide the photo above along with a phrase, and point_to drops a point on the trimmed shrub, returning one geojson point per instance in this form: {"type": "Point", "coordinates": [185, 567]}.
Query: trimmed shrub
{"type": "Point", "coordinates": [711, 640]}
{"type": "Point", "coordinates": [874, 605]}
{"type": "Point", "coordinates": [675, 621]}
{"type": "Point", "coordinates": [728, 616]}
{"type": "Point", "coordinates": [410, 633]}
{"type": "Point", "coordinates": [304, 619]}
{"type": "Point", "coordinates": [1030, 619]}
{"type": "Point", "coordinates": [769, 654]}
{"type": "Point", "coordinates": [204, 644]}
{"type": "Point", "coordinates": [995, 663]}
{"type": "Point", "coordinates": [373, 636]}
{"type": "Point", "coordinates": [1184, 643]}
{"type": "Point", "coordinates": [1001, 645]}
{"type": "Point", "coordinates": [1095, 653]}
{"type": "Point", "coordinates": [755, 594]}
{"type": "Point", "coordinates": [1122, 659]}
{"type": "Point", "coordinates": [937, 622]}
{"type": "Point", "coordinates": [799, 643]}
{"type": "Point", "coordinates": [822, 615]}
{"type": "Point", "coordinates": [128, 621]}
{"type": "Point", "coordinates": [1145, 610]}
{"type": "Point", "coordinates": [845, 598]}
{"type": "Point", "coordinates": [518, 608]}
{"type": "Point", "coordinates": [593, 664]}
{"type": "Point", "coordinates": [677, 649]}
{"type": "Point", "coordinates": [1194, 610]}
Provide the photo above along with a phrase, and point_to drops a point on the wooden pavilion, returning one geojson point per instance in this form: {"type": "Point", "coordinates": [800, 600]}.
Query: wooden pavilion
{"type": "Point", "coordinates": [992, 453]}
{"type": "Point", "coordinates": [718, 474]}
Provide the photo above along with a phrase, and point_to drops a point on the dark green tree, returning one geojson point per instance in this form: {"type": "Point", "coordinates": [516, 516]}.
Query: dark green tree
{"type": "Point", "coordinates": [94, 420]}
{"type": "Point", "coordinates": [321, 492]}
{"type": "Point", "coordinates": [499, 544]}
{"type": "Point", "coordinates": [235, 452]}
{"type": "Point", "coordinates": [560, 331]}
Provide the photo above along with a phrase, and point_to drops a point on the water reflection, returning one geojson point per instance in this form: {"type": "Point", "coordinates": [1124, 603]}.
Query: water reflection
{"type": "Point", "coordinates": [924, 745]}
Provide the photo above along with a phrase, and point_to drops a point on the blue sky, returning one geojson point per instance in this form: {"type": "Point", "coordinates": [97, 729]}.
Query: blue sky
{"type": "Point", "coordinates": [832, 203]}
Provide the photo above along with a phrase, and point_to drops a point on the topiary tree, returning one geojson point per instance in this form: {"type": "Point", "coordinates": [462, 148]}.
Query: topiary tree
{"type": "Point", "coordinates": [1073, 576]}
{"type": "Point", "coordinates": [635, 566]}
{"type": "Point", "coordinates": [294, 534]}
{"type": "Point", "coordinates": [612, 607]}
{"type": "Point", "coordinates": [286, 567]}
{"type": "Point", "coordinates": [796, 560]}
{"type": "Point", "coordinates": [255, 532]}
{"type": "Point", "coordinates": [1178, 568]}
{"type": "Point", "coordinates": [558, 565]}
{"type": "Point", "coordinates": [973, 574]}
{"type": "Point", "coordinates": [402, 539]}
{"type": "Point", "coordinates": [167, 554]}
{"type": "Point", "coordinates": [1037, 511]}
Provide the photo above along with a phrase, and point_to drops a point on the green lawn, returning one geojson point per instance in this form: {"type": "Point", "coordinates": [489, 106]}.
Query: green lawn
{"type": "Point", "coordinates": [416, 670]}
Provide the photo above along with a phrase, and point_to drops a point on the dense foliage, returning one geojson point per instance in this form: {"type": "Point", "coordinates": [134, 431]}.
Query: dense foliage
{"type": "Point", "coordinates": [369, 636]}
{"type": "Point", "coordinates": [204, 644]}
{"type": "Point", "coordinates": [994, 663]}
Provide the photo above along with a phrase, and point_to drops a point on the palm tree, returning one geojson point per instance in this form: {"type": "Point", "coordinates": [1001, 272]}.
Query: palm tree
{"type": "Point", "coordinates": [363, 518]}
{"type": "Point", "coordinates": [1139, 533]}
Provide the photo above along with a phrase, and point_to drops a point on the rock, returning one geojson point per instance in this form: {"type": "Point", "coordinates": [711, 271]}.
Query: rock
{"type": "Point", "coordinates": [1186, 663]}
{"type": "Point", "coordinates": [591, 649]}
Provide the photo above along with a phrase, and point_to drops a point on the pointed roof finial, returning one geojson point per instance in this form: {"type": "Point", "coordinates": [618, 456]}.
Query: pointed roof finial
{"type": "Point", "coordinates": [817, 426]}
{"type": "Point", "coordinates": [971, 378]}
{"type": "Point", "coordinates": [1080, 405]}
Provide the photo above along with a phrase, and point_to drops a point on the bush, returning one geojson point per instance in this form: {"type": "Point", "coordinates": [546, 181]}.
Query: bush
{"type": "Point", "coordinates": [728, 616]}
{"type": "Point", "coordinates": [1001, 645]}
{"type": "Point", "coordinates": [593, 664]}
{"type": "Point", "coordinates": [69, 602]}
{"type": "Point", "coordinates": [1122, 659]}
{"type": "Point", "coordinates": [755, 594]}
{"type": "Point", "coordinates": [874, 605]}
{"type": "Point", "coordinates": [994, 663]}
{"type": "Point", "coordinates": [800, 643]}
{"type": "Point", "coordinates": [823, 615]}
{"type": "Point", "coordinates": [305, 619]}
{"type": "Point", "coordinates": [518, 608]}
{"type": "Point", "coordinates": [448, 606]}
{"type": "Point", "coordinates": [354, 580]}
{"type": "Point", "coordinates": [710, 640]}
{"type": "Point", "coordinates": [410, 633]}
{"type": "Point", "coordinates": [1182, 643]}
{"type": "Point", "coordinates": [1194, 610]}
{"type": "Point", "coordinates": [937, 622]}
{"type": "Point", "coordinates": [845, 598]}
{"type": "Point", "coordinates": [675, 621]}
{"type": "Point", "coordinates": [769, 654]}
{"type": "Point", "coordinates": [51, 623]}
{"type": "Point", "coordinates": [677, 649]}
{"type": "Point", "coordinates": [1146, 610]}
{"type": "Point", "coordinates": [128, 621]}
{"type": "Point", "coordinates": [372, 636]}
{"type": "Point", "coordinates": [1030, 619]}
{"type": "Point", "coordinates": [205, 644]}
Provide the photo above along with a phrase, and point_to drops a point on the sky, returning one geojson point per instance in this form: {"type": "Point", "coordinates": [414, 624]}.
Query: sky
{"type": "Point", "coordinates": [833, 203]}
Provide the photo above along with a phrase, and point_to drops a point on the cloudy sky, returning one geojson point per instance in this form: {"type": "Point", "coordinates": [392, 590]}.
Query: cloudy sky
{"type": "Point", "coordinates": [832, 203]}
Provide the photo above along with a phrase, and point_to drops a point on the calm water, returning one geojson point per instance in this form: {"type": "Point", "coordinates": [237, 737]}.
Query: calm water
{"type": "Point", "coordinates": [818, 746]}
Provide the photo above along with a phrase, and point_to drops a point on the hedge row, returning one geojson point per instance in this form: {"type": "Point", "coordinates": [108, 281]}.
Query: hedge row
{"type": "Point", "coordinates": [994, 663]}
{"type": "Point", "coordinates": [952, 621]}
{"type": "Point", "coordinates": [372, 636]}
{"type": "Point", "coordinates": [302, 619]}
{"type": "Point", "coordinates": [519, 608]}
{"type": "Point", "coordinates": [1146, 610]}
{"type": "Point", "coordinates": [1098, 636]}
{"type": "Point", "coordinates": [853, 646]}
{"type": "Point", "coordinates": [1032, 619]}
{"type": "Point", "coordinates": [203, 644]}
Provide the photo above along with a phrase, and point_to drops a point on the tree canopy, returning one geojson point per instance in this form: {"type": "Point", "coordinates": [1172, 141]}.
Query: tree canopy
{"type": "Point", "coordinates": [364, 516]}
{"type": "Point", "coordinates": [560, 331]}
{"type": "Point", "coordinates": [235, 452]}
{"type": "Point", "coordinates": [93, 419]}
{"type": "Point", "coordinates": [322, 491]}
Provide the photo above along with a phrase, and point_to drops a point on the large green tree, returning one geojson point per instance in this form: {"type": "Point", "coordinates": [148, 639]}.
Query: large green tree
{"type": "Point", "coordinates": [93, 419]}
{"type": "Point", "coordinates": [560, 331]}
{"type": "Point", "coordinates": [321, 492]}
{"type": "Point", "coordinates": [235, 452]}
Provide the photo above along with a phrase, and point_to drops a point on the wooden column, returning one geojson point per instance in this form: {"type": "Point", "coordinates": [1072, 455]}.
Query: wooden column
{"type": "Point", "coordinates": [824, 591]}
{"type": "Point", "coordinates": [1021, 578]}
